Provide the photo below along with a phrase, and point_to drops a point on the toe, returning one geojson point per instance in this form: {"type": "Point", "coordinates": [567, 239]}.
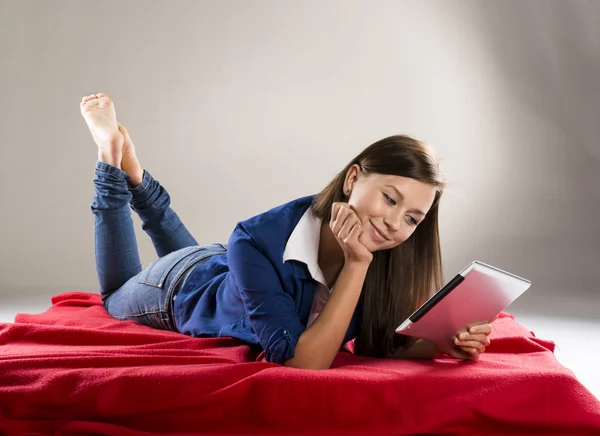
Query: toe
{"type": "Point", "coordinates": [87, 98]}
{"type": "Point", "coordinates": [84, 102]}
{"type": "Point", "coordinates": [104, 100]}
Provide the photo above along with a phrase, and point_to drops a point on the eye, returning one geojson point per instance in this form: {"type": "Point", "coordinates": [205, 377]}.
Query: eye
{"type": "Point", "coordinates": [413, 221]}
{"type": "Point", "coordinates": [389, 199]}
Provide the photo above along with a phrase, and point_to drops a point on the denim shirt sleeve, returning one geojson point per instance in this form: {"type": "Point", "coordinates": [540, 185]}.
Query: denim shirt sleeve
{"type": "Point", "coordinates": [271, 311]}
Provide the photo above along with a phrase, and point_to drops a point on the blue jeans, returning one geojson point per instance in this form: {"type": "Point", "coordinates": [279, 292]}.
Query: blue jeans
{"type": "Point", "coordinates": [128, 292]}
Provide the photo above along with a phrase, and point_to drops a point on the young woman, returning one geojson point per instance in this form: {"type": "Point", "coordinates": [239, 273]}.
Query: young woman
{"type": "Point", "coordinates": [299, 280]}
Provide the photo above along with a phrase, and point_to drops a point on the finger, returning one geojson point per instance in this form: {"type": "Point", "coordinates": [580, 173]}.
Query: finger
{"type": "Point", "coordinates": [339, 220]}
{"type": "Point", "coordinates": [355, 213]}
{"type": "Point", "coordinates": [353, 209]}
{"type": "Point", "coordinates": [453, 351]}
{"type": "Point", "coordinates": [335, 208]}
{"type": "Point", "coordinates": [481, 328]}
{"type": "Point", "coordinates": [349, 208]}
{"type": "Point", "coordinates": [348, 225]}
{"type": "Point", "coordinates": [344, 212]}
{"type": "Point", "coordinates": [469, 344]}
{"type": "Point", "coordinates": [471, 353]}
{"type": "Point", "coordinates": [458, 353]}
{"type": "Point", "coordinates": [354, 234]}
{"type": "Point", "coordinates": [484, 339]}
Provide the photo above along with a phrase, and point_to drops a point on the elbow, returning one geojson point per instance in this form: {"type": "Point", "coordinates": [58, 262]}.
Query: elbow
{"type": "Point", "coordinates": [307, 355]}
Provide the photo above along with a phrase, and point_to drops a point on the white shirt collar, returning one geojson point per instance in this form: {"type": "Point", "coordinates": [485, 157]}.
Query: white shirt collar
{"type": "Point", "coordinates": [303, 245]}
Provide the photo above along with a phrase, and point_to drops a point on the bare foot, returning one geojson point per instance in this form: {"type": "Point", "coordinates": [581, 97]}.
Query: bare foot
{"type": "Point", "coordinates": [98, 111]}
{"type": "Point", "coordinates": [130, 163]}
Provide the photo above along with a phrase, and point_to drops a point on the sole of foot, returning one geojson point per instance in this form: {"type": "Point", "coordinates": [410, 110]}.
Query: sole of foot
{"type": "Point", "coordinates": [99, 113]}
{"type": "Point", "coordinates": [129, 162]}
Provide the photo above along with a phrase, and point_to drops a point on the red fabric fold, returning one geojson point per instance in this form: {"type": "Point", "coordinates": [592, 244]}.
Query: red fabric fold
{"type": "Point", "coordinates": [75, 370]}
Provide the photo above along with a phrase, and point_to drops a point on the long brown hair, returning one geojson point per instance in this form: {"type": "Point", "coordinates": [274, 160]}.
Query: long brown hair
{"type": "Point", "coordinates": [402, 278]}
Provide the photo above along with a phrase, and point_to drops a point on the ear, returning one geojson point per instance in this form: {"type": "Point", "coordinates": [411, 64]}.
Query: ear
{"type": "Point", "coordinates": [351, 178]}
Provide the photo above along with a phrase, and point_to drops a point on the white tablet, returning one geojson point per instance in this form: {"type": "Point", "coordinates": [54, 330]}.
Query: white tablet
{"type": "Point", "coordinates": [475, 296]}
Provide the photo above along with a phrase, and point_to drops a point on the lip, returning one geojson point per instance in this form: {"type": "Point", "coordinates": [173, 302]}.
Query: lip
{"type": "Point", "coordinates": [379, 234]}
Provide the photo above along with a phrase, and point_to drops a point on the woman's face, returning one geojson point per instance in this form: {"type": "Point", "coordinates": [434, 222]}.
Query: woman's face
{"type": "Point", "coordinates": [389, 207]}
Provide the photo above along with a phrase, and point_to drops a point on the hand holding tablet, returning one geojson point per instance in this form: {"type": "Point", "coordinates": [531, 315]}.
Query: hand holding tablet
{"type": "Point", "coordinates": [474, 297]}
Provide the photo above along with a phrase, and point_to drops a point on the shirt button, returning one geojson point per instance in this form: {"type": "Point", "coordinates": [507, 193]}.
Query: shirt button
{"type": "Point", "coordinates": [285, 332]}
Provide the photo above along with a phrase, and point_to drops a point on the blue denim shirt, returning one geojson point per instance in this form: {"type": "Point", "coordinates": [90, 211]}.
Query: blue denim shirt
{"type": "Point", "coordinates": [249, 293]}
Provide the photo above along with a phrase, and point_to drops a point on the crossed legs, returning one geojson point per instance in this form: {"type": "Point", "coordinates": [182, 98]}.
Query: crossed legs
{"type": "Point", "coordinates": [120, 183]}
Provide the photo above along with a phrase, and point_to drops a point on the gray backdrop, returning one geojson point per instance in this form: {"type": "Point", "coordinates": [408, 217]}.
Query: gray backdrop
{"type": "Point", "coordinates": [239, 106]}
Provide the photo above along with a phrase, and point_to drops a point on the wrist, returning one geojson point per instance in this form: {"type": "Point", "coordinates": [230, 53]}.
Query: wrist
{"type": "Point", "coordinates": [357, 264]}
{"type": "Point", "coordinates": [356, 269]}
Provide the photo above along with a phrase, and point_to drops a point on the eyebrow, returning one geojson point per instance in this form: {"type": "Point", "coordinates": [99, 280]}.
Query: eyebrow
{"type": "Point", "coordinates": [417, 211]}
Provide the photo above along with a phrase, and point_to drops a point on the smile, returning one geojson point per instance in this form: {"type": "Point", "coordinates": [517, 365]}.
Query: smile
{"type": "Point", "coordinates": [378, 235]}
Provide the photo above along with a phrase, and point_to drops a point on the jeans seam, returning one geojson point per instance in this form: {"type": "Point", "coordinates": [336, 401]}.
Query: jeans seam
{"type": "Point", "coordinates": [145, 184]}
{"type": "Point", "coordinates": [141, 191]}
{"type": "Point", "coordinates": [191, 264]}
{"type": "Point", "coordinates": [195, 261]}
{"type": "Point", "coordinates": [192, 250]}
{"type": "Point", "coordinates": [108, 169]}
{"type": "Point", "coordinates": [120, 318]}
{"type": "Point", "coordinates": [142, 278]}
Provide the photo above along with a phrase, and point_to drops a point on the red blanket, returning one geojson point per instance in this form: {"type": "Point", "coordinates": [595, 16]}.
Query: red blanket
{"type": "Point", "coordinates": [75, 370]}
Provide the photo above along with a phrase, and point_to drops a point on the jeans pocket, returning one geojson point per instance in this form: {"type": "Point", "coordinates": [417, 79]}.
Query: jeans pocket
{"type": "Point", "coordinates": [157, 272]}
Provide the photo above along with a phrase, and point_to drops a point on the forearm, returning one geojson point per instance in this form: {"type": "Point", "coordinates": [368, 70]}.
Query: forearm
{"type": "Point", "coordinates": [319, 344]}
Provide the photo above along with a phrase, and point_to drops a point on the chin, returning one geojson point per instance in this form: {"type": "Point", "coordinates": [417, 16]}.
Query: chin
{"type": "Point", "coordinates": [373, 246]}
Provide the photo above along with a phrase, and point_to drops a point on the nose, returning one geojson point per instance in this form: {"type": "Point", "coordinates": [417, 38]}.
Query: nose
{"type": "Point", "coordinates": [392, 222]}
